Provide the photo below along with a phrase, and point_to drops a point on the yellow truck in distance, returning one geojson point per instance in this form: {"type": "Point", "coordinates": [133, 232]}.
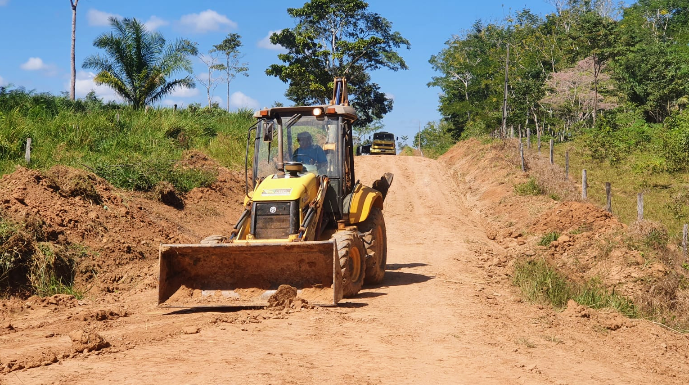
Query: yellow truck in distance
{"type": "Point", "coordinates": [383, 144]}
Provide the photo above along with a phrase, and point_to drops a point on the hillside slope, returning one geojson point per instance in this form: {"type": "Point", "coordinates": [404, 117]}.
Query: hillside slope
{"type": "Point", "coordinates": [446, 312]}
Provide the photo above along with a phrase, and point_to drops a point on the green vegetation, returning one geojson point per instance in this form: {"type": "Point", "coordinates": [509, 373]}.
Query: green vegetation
{"type": "Point", "coordinates": [334, 38]}
{"type": "Point", "coordinates": [542, 283]}
{"type": "Point", "coordinates": [614, 79]}
{"type": "Point", "coordinates": [138, 63]}
{"type": "Point", "coordinates": [528, 188]}
{"type": "Point", "coordinates": [133, 149]}
{"type": "Point", "coordinates": [666, 197]}
{"type": "Point", "coordinates": [547, 239]}
{"type": "Point", "coordinates": [30, 264]}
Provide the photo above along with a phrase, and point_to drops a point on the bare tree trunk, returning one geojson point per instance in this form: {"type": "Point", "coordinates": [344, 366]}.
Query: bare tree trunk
{"type": "Point", "coordinates": [228, 83]}
{"type": "Point", "coordinates": [208, 89]}
{"type": "Point", "coordinates": [504, 98]}
{"type": "Point", "coordinates": [72, 88]}
{"type": "Point", "coordinates": [596, 70]}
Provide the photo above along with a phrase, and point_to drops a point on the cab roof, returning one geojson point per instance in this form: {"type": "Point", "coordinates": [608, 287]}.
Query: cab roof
{"type": "Point", "coordinates": [348, 112]}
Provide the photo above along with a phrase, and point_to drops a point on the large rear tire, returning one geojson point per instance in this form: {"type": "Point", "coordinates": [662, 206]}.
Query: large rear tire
{"type": "Point", "coordinates": [351, 252]}
{"type": "Point", "coordinates": [375, 241]}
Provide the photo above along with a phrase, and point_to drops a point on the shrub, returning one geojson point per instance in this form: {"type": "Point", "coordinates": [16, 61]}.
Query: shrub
{"type": "Point", "coordinates": [528, 188]}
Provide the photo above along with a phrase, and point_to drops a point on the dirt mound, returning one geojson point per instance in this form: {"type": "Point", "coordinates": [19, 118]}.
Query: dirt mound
{"type": "Point", "coordinates": [114, 234]}
{"type": "Point", "coordinates": [87, 341]}
{"type": "Point", "coordinates": [582, 240]}
{"type": "Point", "coordinates": [575, 217]}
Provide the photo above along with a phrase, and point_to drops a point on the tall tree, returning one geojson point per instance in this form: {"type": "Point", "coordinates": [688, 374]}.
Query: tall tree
{"type": "Point", "coordinates": [338, 38]}
{"type": "Point", "coordinates": [596, 37]}
{"type": "Point", "coordinates": [209, 80]}
{"type": "Point", "coordinates": [138, 63]}
{"type": "Point", "coordinates": [230, 48]}
{"type": "Point", "coordinates": [72, 88]}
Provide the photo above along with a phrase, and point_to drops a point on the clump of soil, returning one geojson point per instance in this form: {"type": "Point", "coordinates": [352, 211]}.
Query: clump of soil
{"type": "Point", "coordinates": [105, 315]}
{"type": "Point", "coordinates": [71, 182]}
{"type": "Point", "coordinates": [285, 297]}
{"type": "Point", "coordinates": [60, 300]}
{"type": "Point", "coordinates": [87, 341]}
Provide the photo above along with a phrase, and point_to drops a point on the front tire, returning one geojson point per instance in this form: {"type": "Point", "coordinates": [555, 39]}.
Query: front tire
{"type": "Point", "coordinates": [375, 241]}
{"type": "Point", "coordinates": [350, 250]}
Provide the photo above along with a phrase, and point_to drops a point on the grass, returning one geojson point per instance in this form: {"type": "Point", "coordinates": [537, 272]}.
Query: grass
{"type": "Point", "coordinates": [530, 187]}
{"type": "Point", "coordinates": [541, 283]}
{"type": "Point", "coordinates": [547, 239]}
{"type": "Point", "coordinates": [31, 266]}
{"type": "Point", "coordinates": [131, 149]}
{"type": "Point", "coordinates": [665, 195]}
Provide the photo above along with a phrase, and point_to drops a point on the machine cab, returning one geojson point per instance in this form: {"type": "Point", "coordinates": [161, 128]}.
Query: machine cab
{"type": "Point", "coordinates": [318, 137]}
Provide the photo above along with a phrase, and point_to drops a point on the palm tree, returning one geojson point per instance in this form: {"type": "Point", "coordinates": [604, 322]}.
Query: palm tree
{"type": "Point", "coordinates": [138, 63]}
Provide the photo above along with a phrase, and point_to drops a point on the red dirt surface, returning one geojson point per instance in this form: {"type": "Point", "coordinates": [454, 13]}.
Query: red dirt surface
{"type": "Point", "coordinates": [445, 313]}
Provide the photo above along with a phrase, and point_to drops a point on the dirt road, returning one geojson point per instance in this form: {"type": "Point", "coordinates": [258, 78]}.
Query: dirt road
{"type": "Point", "coordinates": [446, 313]}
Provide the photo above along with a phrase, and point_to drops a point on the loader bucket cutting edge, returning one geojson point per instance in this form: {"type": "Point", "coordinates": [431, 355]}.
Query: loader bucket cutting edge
{"type": "Point", "coordinates": [246, 274]}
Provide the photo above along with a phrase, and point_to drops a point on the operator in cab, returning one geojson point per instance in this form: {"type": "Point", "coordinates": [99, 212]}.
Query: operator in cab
{"type": "Point", "coordinates": [309, 153]}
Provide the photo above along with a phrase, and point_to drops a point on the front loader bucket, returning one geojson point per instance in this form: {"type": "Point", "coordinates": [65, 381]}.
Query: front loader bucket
{"type": "Point", "coordinates": [246, 274]}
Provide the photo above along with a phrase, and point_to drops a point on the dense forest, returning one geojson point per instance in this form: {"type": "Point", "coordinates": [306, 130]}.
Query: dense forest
{"type": "Point", "coordinates": [617, 79]}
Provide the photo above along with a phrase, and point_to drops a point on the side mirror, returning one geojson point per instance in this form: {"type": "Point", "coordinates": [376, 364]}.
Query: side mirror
{"type": "Point", "coordinates": [268, 132]}
{"type": "Point", "coordinates": [397, 138]}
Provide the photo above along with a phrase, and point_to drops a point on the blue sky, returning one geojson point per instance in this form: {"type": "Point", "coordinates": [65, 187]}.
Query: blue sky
{"type": "Point", "coordinates": [35, 45]}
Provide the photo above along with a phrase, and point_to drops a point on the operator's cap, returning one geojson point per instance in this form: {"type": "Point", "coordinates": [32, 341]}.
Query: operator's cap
{"type": "Point", "coordinates": [303, 135]}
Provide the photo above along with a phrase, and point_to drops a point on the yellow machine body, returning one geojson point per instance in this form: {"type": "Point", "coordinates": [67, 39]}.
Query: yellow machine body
{"type": "Point", "coordinates": [383, 144]}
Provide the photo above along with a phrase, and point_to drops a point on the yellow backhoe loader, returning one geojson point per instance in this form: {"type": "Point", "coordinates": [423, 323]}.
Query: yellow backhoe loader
{"type": "Point", "coordinates": [307, 222]}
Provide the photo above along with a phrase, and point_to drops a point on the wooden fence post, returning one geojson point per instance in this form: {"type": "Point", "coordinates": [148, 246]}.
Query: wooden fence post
{"type": "Point", "coordinates": [567, 164]}
{"type": "Point", "coordinates": [608, 197]}
{"type": "Point", "coordinates": [552, 145]}
{"type": "Point", "coordinates": [528, 138]}
{"type": "Point", "coordinates": [538, 135]}
{"type": "Point", "coordinates": [27, 153]}
{"type": "Point", "coordinates": [640, 207]}
{"type": "Point", "coordinates": [584, 185]}
{"type": "Point", "coordinates": [521, 154]}
{"type": "Point", "coordinates": [684, 240]}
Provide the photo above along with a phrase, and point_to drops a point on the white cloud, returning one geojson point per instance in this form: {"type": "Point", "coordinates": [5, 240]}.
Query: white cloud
{"type": "Point", "coordinates": [98, 18]}
{"type": "Point", "coordinates": [265, 43]}
{"type": "Point", "coordinates": [37, 64]}
{"type": "Point", "coordinates": [4, 2]}
{"type": "Point", "coordinates": [85, 84]}
{"type": "Point", "coordinates": [34, 64]}
{"type": "Point", "coordinates": [239, 100]}
{"type": "Point", "coordinates": [2, 81]}
{"type": "Point", "coordinates": [154, 22]}
{"type": "Point", "coordinates": [206, 21]}
{"type": "Point", "coordinates": [180, 92]}
{"type": "Point", "coordinates": [389, 96]}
